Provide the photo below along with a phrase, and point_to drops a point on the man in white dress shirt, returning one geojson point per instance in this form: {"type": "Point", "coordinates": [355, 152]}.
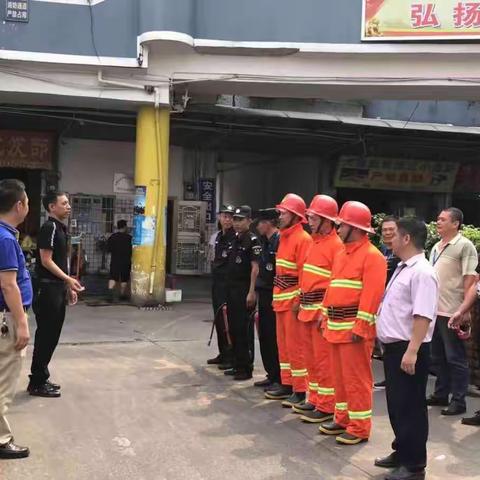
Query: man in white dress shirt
{"type": "Point", "coordinates": [405, 325]}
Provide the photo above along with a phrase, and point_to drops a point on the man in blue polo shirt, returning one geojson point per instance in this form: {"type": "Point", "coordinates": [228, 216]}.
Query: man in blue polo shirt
{"type": "Point", "coordinates": [15, 299]}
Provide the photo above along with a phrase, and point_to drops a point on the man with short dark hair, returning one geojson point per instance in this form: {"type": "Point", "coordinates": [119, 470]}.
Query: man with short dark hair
{"type": "Point", "coordinates": [455, 260]}
{"type": "Point", "coordinates": [405, 325]}
{"type": "Point", "coordinates": [55, 288]}
{"type": "Point", "coordinates": [242, 272]}
{"type": "Point", "coordinates": [15, 299]}
{"type": "Point", "coordinates": [119, 245]}
{"type": "Point", "coordinates": [222, 248]}
{"type": "Point", "coordinates": [388, 229]}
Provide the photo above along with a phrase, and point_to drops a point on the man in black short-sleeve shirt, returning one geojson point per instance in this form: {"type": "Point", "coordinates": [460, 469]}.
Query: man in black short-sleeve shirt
{"type": "Point", "coordinates": [242, 272]}
{"type": "Point", "coordinates": [55, 288]}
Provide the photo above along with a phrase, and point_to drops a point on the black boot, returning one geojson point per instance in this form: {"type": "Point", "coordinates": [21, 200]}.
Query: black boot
{"type": "Point", "coordinates": [316, 417]}
{"type": "Point", "coordinates": [303, 407]}
{"type": "Point", "coordinates": [331, 428]}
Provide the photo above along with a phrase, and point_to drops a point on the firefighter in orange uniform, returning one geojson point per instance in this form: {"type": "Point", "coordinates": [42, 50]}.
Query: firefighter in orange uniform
{"type": "Point", "coordinates": [349, 307]}
{"type": "Point", "coordinates": [317, 270]}
{"type": "Point", "coordinates": [292, 250]}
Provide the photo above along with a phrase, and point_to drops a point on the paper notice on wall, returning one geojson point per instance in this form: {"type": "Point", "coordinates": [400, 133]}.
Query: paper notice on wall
{"type": "Point", "coordinates": [144, 228]}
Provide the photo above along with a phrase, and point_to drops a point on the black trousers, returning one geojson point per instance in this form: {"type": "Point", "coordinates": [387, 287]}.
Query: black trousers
{"type": "Point", "coordinates": [267, 335]}
{"type": "Point", "coordinates": [241, 326]}
{"type": "Point", "coordinates": [407, 404]}
{"type": "Point", "coordinates": [49, 308]}
{"type": "Point", "coordinates": [449, 355]}
{"type": "Point", "coordinates": [219, 297]}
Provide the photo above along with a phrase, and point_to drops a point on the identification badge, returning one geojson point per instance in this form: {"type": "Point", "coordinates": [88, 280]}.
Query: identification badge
{"type": "Point", "coordinates": [238, 260]}
{"type": "Point", "coordinates": [269, 267]}
{"type": "Point", "coordinates": [224, 254]}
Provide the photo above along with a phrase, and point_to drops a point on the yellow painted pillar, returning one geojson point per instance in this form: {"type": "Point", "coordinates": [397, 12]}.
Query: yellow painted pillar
{"type": "Point", "coordinates": [150, 227]}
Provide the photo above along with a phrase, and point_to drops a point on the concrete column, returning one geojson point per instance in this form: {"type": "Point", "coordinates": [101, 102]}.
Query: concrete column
{"type": "Point", "coordinates": [151, 172]}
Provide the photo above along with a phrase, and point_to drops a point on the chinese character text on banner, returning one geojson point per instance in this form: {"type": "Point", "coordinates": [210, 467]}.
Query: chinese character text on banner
{"type": "Point", "coordinates": [420, 19]}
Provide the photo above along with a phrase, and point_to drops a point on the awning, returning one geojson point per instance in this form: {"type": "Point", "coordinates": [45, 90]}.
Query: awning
{"type": "Point", "coordinates": [360, 121]}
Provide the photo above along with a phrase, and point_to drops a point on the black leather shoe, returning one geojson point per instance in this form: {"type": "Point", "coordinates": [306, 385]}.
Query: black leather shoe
{"type": "Point", "coordinates": [454, 409]}
{"type": "Point", "coordinates": [225, 366]}
{"type": "Point", "coordinates": [215, 361]}
{"type": "Point", "coordinates": [263, 383]}
{"type": "Point", "coordinates": [10, 451]}
{"type": "Point", "coordinates": [474, 421]}
{"type": "Point", "coordinates": [280, 393]}
{"type": "Point", "coordinates": [53, 386]}
{"type": "Point", "coordinates": [230, 371]}
{"type": "Point", "coordinates": [434, 401]}
{"type": "Point", "coordinates": [43, 391]}
{"type": "Point", "coordinates": [316, 417]}
{"type": "Point", "coordinates": [272, 386]}
{"type": "Point", "coordinates": [242, 375]}
{"type": "Point", "coordinates": [294, 399]}
{"type": "Point", "coordinates": [403, 473]}
{"type": "Point", "coordinates": [390, 461]}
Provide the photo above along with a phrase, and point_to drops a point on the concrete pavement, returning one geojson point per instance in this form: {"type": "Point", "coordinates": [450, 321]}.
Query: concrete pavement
{"type": "Point", "coordinates": [139, 403]}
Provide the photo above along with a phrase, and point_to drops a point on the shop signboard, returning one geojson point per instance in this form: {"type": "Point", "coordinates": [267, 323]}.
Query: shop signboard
{"type": "Point", "coordinates": [22, 149]}
{"type": "Point", "coordinates": [395, 174]}
{"type": "Point", "coordinates": [398, 20]}
{"type": "Point", "coordinates": [17, 11]}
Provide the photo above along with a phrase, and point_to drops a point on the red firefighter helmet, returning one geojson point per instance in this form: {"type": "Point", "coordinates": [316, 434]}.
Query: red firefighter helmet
{"type": "Point", "coordinates": [324, 206]}
{"type": "Point", "coordinates": [294, 204]}
{"type": "Point", "coordinates": [356, 214]}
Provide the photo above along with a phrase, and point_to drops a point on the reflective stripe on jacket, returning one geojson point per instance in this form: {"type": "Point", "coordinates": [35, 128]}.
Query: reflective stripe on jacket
{"type": "Point", "coordinates": [292, 250]}
{"type": "Point", "coordinates": [317, 271]}
{"type": "Point", "coordinates": [358, 280]}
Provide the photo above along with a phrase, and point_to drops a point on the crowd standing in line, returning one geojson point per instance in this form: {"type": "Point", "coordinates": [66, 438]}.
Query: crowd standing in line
{"type": "Point", "coordinates": [334, 294]}
{"type": "Point", "coordinates": [324, 297]}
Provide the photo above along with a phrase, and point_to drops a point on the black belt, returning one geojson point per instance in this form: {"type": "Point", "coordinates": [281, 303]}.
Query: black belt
{"type": "Point", "coordinates": [315, 296]}
{"type": "Point", "coordinates": [51, 281]}
{"type": "Point", "coordinates": [285, 281]}
{"type": "Point", "coordinates": [341, 313]}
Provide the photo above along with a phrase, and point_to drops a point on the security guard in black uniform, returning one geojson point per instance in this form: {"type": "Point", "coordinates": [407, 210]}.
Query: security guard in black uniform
{"type": "Point", "coordinates": [241, 299]}
{"type": "Point", "coordinates": [223, 244]}
{"type": "Point", "coordinates": [267, 227]}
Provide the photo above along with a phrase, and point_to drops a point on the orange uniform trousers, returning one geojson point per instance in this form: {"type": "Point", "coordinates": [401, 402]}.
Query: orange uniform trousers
{"type": "Point", "coordinates": [290, 350]}
{"type": "Point", "coordinates": [353, 382]}
{"type": "Point", "coordinates": [317, 353]}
